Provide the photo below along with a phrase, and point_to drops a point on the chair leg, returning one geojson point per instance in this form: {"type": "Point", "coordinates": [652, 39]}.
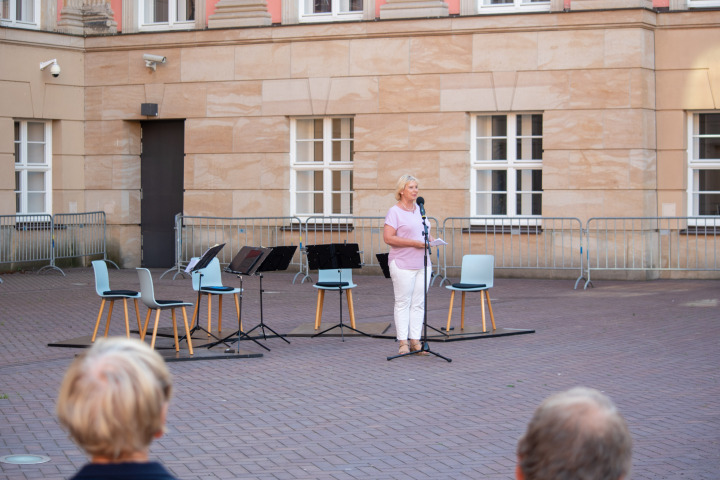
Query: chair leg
{"type": "Point", "coordinates": [351, 309]}
{"type": "Point", "coordinates": [127, 322]}
{"type": "Point", "coordinates": [452, 299]}
{"type": "Point", "coordinates": [147, 321]}
{"type": "Point", "coordinates": [319, 308]}
{"type": "Point", "coordinates": [137, 315]}
{"type": "Point", "coordinates": [97, 323]}
{"type": "Point", "coordinates": [492, 317]}
{"type": "Point", "coordinates": [187, 331]}
{"type": "Point", "coordinates": [482, 309]}
{"type": "Point", "coordinates": [220, 302]}
{"type": "Point", "coordinates": [107, 324]}
{"type": "Point", "coordinates": [209, 314]}
{"type": "Point", "coordinates": [237, 309]}
{"type": "Point", "coordinates": [154, 335]}
{"type": "Point", "coordinates": [462, 313]}
{"type": "Point", "coordinates": [195, 317]}
{"type": "Point", "coordinates": [175, 334]}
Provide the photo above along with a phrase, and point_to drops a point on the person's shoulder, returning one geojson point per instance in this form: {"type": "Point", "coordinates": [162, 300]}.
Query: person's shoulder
{"type": "Point", "coordinates": [123, 471]}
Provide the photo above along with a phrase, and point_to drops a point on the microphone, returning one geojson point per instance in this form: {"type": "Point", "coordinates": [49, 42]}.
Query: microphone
{"type": "Point", "coordinates": [421, 203]}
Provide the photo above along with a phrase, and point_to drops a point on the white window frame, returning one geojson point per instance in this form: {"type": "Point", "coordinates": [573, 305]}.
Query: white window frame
{"type": "Point", "coordinates": [517, 6]}
{"type": "Point", "coordinates": [511, 165]}
{"type": "Point", "coordinates": [12, 20]}
{"type": "Point", "coordinates": [335, 15]}
{"type": "Point", "coordinates": [22, 167]}
{"type": "Point", "coordinates": [695, 165]}
{"type": "Point", "coordinates": [171, 24]}
{"type": "Point", "coordinates": [703, 4]}
{"type": "Point", "coordinates": [327, 166]}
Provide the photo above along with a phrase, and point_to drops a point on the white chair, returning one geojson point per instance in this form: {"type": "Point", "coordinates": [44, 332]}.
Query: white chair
{"type": "Point", "coordinates": [148, 297]}
{"type": "Point", "coordinates": [102, 287]}
{"type": "Point", "coordinates": [337, 280]}
{"type": "Point", "coordinates": [208, 281]}
{"type": "Point", "coordinates": [476, 275]}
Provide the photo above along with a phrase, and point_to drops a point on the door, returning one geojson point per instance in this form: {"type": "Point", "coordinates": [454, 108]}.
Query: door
{"type": "Point", "coordinates": [161, 179]}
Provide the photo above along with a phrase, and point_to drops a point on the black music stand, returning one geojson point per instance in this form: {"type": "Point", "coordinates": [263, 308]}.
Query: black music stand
{"type": "Point", "coordinates": [277, 258]}
{"type": "Point", "coordinates": [201, 263]}
{"type": "Point", "coordinates": [330, 257]}
{"type": "Point", "coordinates": [245, 262]}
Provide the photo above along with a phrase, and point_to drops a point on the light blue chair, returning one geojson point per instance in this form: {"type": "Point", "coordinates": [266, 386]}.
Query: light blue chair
{"type": "Point", "coordinates": [208, 281]}
{"type": "Point", "coordinates": [337, 280]}
{"type": "Point", "coordinates": [148, 298]}
{"type": "Point", "coordinates": [102, 287]}
{"type": "Point", "coordinates": [476, 275]}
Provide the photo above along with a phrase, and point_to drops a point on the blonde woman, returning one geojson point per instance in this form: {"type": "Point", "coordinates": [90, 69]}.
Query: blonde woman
{"type": "Point", "coordinates": [404, 233]}
{"type": "Point", "coordinates": [113, 401]}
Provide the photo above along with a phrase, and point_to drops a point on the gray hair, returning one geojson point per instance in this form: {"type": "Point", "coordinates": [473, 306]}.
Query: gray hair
{"type": "Point", "coordinates": [577, 434]}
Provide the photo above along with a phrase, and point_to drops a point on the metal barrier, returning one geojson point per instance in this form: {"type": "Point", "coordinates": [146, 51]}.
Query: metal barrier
{"type": "Point", "coordinates": [367, 232]}
{"type": "Point", "coordinates": [532, 243]}
{"type": "Point", "coordinates": [80, 235]}
{"type": "Point", "coordinates": [652, 244]}
{"type": "Point", "coordinates": [194, 235]}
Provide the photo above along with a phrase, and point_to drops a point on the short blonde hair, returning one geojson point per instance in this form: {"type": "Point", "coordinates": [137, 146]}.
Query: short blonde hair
{"type": "Point", "coordinates": [402, 183]}
{"type": "Point", "coordinates": [113, 396]}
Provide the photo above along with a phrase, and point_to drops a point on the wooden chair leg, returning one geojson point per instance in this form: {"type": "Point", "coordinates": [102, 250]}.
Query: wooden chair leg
{"type": "Point", "coordinates": [237, 310]}
{"type": "Point", "coordinates": [127, 321]}
{"type": "Point", "coordinates": [147, 321]}
{"type": "Point", "coordinates": [195, 317]}
{"type": "Point", "coordinates": [319, 308]}
{"type": "Point", "coordinates": [220, 302]}
{"type": "Point", "coordinates": [154, 335]}
{"type": "Point", "coordinates": [351, 308]}
{"type": "Point", "coordinates": [107, 324]}
{"type": "Point", "coordinates": [209, 314]}
{"type": "Point", "coordinates": [187, 331]}
{"type": "Point", "coordinates": [492, 317]}
{"type": "Point", "coordinates": [482, 309]}
{"type": "Point", "coordinates": [137, 314]}
{"type": "Point", "coordinates": [97, 322]}
{"type": "Point", "coordinates": [462, 313]}
{"type": "Point", "coordinates": [452, 299]}
{"type": "Point", "coordinates": [175, 334]}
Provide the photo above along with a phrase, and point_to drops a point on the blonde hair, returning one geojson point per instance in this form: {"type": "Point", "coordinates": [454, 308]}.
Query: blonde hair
{"type": "Point", "coordinates": [402, 183]}
{"type": "Point", "coordinates": [113, 396]}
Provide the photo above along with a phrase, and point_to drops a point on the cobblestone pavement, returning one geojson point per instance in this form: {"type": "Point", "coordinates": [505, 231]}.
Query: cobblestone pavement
{"type": "Point", "coordinates": [324, 408]}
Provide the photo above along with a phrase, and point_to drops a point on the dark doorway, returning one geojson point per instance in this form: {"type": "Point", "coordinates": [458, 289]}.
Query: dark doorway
{"type": "Point", "coordinates": [161, 179]}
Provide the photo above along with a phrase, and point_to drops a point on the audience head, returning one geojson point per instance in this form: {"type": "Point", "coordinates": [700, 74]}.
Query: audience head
{"type": "Point", "coordinates": [402, 182]}
{"type": "Point", "coordinates": [114, 397]}
{"type": "Point", "coordinates": [577, 434]}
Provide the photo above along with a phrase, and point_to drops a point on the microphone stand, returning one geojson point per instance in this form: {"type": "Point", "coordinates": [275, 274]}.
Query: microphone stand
{"type": "Point", "coordinates": [425, 345]}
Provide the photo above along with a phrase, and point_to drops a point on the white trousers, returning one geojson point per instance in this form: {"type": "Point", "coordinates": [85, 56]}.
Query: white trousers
{"type": "Point", "coordinates": [409, 301]}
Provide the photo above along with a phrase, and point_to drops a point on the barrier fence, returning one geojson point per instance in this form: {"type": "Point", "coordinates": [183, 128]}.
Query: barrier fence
{"type": "Point", "coordinates": [652, 244]}
{"type": "Point", "coordinates": [532, 243]}
{"type": "Point", "coordinates": [45, 238]}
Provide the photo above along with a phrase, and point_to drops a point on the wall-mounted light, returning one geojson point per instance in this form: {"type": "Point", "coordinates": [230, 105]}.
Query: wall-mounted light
{"type": "Point", "coordinates": [151, 61]}
{"type": "Point", "coordinates": [54, 67]}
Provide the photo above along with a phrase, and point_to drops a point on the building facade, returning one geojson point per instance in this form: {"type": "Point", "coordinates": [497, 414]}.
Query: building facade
{"type": "Point", "coordinates": [502, 108]}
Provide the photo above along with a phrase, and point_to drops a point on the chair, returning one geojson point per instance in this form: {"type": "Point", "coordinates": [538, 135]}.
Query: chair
{"type": "Point", "coordinates": [102, 287]}
{"type": "Point", "coordinates": [208, 281]}
{"type": "Point", "coordinates": [148, 297]}
{"type": "Point", "coordinates": [338, 280]}
{"type": "Point", "coordinates": [476, 275]}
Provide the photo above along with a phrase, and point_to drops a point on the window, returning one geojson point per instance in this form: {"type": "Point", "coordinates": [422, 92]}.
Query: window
{"type": "Point", "coordinates": [33, 180]}
{"type": "Point", "coordinates": [321, 155]}
{"type": "Point", "coordinates": [167, 14]}
{"type": "Point", "coordinates": [704, 165]}
{"type": "Point", "coordinates": [20, 13]}
{"type": "Point", "coordinates": [703, 3]}
{"type": "Point", "coordinates": [506, 155]}
{"type": "Point", "coordinates": [504, 6]}
{"type": "Point", "coordinates": [330, 10]}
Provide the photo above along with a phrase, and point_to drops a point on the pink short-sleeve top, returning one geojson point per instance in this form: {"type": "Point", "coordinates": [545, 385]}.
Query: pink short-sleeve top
{"type": "Point", "coordinates": [406, 225]}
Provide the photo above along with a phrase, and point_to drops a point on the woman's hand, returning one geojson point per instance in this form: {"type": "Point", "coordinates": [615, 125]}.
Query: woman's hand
{"type": "Point", "coordinates": [390, 237]}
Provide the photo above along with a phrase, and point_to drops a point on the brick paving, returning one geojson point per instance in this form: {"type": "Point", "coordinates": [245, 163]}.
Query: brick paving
{"type": "Point", "coordinates": [321, 408]}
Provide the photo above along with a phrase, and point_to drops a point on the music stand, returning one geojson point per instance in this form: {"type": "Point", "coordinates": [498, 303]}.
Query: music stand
{"type": "Point", "coordinates": [330, 257]}
{"type": "Point", "coordinates": [201, 263]}
{"type": "Point", "coordinates": [277, 258]}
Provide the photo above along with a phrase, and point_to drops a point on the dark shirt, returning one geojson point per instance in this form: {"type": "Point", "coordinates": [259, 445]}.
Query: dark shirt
{"type": "Point", "coordinates": [123, 471]}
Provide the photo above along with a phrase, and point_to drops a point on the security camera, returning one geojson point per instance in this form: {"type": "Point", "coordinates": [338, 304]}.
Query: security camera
{"type": "Point", "coordinates": [154, 58]}
{"type": "Point", "coordinates": [54, 67]}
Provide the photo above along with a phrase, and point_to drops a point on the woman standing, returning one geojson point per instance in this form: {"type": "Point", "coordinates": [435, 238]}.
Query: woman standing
{"type": "Point", "coordinates": [404, 233]}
